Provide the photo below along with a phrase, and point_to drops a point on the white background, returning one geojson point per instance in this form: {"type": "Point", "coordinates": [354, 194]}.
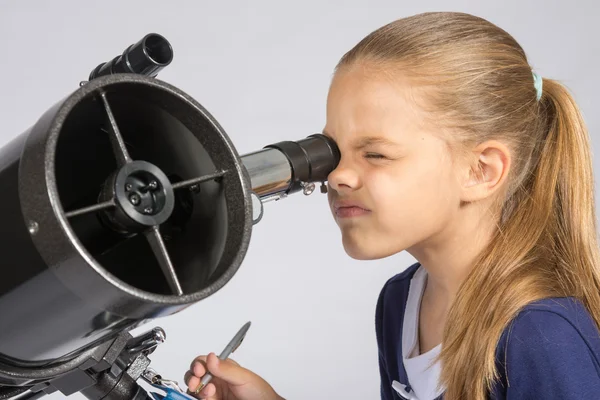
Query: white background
{"type": "Point", "coordinates": [262, 68]}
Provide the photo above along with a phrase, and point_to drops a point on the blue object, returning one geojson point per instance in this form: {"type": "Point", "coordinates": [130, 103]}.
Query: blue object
{"type": "Point", "coordinates": [170, 394]}
{"type": "Point", "coordinates": [551, 350]}
{"type": "Point", "coordinates": [538, 84]}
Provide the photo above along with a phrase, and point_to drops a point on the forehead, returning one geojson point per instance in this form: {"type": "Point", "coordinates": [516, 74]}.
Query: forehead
{"type": "Point", "coordinates": [365, 101]}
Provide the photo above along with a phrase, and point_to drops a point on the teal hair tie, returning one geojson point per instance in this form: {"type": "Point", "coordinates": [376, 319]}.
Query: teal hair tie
{"type": "Point", "coordinates": [537, 82]}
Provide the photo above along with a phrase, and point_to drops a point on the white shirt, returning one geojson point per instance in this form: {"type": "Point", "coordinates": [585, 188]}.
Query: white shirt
{"type": "Point", "coordinates": [423, 377]}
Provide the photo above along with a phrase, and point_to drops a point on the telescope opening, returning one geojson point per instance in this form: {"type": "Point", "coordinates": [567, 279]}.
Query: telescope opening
{"type": "Point", "coordinates": [158, 49]}
{"type": "Point", "coordinates": [146, 190]}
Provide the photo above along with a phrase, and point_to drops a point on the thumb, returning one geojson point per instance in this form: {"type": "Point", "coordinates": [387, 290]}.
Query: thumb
{"type": "Point", "coordinates": [228, 370]}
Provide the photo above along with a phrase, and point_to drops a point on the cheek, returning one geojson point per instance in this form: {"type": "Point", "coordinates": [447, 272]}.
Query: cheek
{"type": "Point", "coordinates": [415, 195]}
{"type": "Point", "coordinates": [411, 202]}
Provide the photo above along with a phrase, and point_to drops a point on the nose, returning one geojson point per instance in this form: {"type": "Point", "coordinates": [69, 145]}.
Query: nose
{"type": "Point", "coordinates": [344, 178]}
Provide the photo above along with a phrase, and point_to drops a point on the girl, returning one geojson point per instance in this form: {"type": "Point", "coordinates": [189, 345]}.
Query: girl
{"type": "Point", "coordinates": [454, 150]}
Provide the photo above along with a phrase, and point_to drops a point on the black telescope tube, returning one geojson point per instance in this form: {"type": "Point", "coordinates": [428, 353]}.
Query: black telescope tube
{"type": "Point", "coordinates": [146, 57]}
{"type": "Point", "coordinates": [311, 159]}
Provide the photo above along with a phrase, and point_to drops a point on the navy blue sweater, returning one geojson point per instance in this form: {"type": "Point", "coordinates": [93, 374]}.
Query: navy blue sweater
{"type": "Point", "coordinates": [551, 350]}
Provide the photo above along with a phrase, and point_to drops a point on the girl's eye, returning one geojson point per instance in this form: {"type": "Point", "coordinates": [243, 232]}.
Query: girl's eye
{"type": "Point", "coordinates": [375, 156]}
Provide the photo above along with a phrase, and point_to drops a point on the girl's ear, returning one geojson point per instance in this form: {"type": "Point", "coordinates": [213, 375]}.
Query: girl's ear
{"type": "Point", "coordinates": [486, 172]}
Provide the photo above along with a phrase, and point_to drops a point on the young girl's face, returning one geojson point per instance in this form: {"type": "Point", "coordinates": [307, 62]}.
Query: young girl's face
{"type": "Point", "coordinates": [395, 187]}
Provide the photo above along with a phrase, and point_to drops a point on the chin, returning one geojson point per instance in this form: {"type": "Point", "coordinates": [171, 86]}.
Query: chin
{"type": "Point", "coordinates": [362, 250]}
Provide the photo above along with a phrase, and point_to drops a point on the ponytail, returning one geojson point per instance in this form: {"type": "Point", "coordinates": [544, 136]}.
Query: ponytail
{"type": "Point", "coordinates": [575, 224]}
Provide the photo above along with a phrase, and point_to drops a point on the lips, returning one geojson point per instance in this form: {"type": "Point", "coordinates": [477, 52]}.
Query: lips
{"type": "Point", "coordinates": [349, 209]}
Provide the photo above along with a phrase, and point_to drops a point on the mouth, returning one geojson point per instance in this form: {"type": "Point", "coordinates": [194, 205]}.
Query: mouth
{"type": "Point", "coordinates": [349, 209]}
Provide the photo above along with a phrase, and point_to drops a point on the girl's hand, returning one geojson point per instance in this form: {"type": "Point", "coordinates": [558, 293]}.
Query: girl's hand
{"type": "Point", "coordinates": [230, 381]}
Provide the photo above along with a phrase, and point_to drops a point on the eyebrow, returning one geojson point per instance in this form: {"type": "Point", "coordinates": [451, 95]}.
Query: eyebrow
{"type": "Point", "coordinates": [368, 141]}
{"type": "Point", "coordinates": [372, 140]}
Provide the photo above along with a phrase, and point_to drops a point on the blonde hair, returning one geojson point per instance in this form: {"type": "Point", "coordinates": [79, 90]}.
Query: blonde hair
{"type": "Point", "coordinates": [480, 84]}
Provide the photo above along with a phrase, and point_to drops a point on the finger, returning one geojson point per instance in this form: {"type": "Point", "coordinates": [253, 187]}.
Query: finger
{"type": "Point", "coordinates": [199, 368]}
{"type": "Point", "coordinates": [197, 359]}
{"type": "Point", "coordinates": [228, 370]}
{"type": "Point", "coordinates": [187, 376]}
{"type": "Point", "coordinates": [193, 383]}
{"type": "Point", "coordinates": [209, 392]}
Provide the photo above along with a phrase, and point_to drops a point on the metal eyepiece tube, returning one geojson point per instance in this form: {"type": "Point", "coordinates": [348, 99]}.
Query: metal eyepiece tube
{"type": "Point", "coordinates": [270, 172]}
{"type": "Point", "coordinates": [284, 167]}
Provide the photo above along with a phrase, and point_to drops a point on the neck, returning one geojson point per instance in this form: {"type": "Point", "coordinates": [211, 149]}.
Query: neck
{"type": "Point", "coordinates": [449, 256]}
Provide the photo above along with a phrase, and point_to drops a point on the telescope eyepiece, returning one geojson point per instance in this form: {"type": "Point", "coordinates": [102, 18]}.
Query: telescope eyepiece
{"type": "Point", "coordinates": [146, 57]}
{"type": "Point", "coordinates": [311, 159]}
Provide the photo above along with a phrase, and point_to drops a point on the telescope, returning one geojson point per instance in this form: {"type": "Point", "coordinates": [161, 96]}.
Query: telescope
{"type": "Point", "coordinates": [125, 202]}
